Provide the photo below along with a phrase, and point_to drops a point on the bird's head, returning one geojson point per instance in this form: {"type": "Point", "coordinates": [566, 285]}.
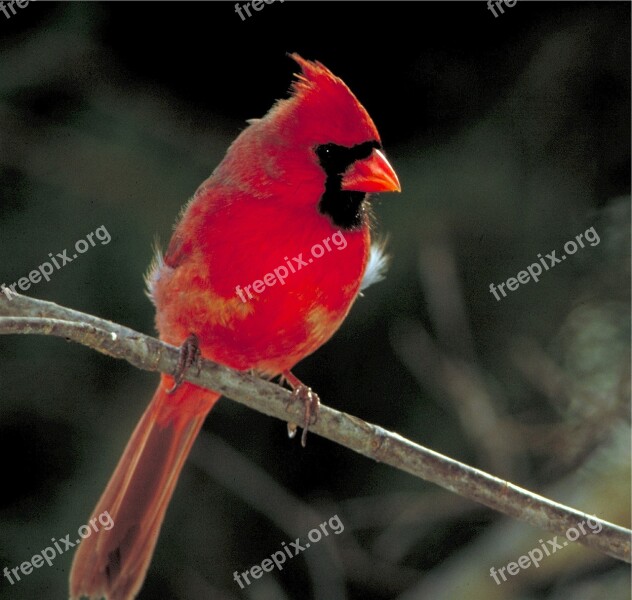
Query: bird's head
{"type": "Point", "coordinates": [322, 143]}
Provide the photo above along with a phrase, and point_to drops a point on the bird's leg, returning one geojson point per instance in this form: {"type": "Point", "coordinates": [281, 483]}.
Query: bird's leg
{"type": "Point", "coordinates": [189, 355]}
{"type": "Point", "coordinates": [310, 401]}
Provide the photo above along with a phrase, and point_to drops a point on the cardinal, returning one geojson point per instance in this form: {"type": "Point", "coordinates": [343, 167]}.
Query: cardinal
{"type": "Point", "coordinates": [291, 180]}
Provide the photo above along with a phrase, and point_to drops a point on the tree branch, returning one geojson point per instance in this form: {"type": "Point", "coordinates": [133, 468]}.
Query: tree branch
{"type": "Point", "coordinates": [26, 315]}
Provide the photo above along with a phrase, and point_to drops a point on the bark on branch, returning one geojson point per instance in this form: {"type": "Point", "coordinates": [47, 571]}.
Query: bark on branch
{"type": "Point", "coordinates": [24, 315]}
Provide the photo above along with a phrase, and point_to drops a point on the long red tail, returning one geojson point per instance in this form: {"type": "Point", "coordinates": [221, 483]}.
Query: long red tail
{"type": "Point", "coordinates": [113, 563]}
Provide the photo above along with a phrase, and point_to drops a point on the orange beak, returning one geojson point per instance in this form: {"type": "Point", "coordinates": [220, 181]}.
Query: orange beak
{"type": "Point", "coordinates": [372, 174]}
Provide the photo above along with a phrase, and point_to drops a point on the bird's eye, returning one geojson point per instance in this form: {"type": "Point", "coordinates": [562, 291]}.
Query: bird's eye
{"type": "Point", "coordinates": [325, 151]}
{"type": "Point", "coordinates": [333, 158]}
{"type": "Point", "coordinates": [336, 159]}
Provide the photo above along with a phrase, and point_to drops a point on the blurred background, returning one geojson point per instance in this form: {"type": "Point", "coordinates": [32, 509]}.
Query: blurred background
{"type": "Point", "coordinates": [510, 134]}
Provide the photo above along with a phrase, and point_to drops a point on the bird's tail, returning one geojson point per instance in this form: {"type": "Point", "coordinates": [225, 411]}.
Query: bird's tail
{"type": "Point", "coordinates": [112, 563]}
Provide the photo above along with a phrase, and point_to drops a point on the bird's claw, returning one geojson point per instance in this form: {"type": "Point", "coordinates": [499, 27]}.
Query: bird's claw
{"type": "Point", "coordinates": [189, 355]}
{"type": "Point", "coordinates": [311, 404]}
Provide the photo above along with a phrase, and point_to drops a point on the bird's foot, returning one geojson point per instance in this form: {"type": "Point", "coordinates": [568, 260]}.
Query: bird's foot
{"type": "Point", "coordinates": [189, 355]}
{"type": "Point", "coordinates": [310, 401]}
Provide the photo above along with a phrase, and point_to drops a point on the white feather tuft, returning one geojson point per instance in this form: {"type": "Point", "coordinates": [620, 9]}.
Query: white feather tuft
{"type": "Point", "coordinates": [153, 273]}
{"type": "Point", "coordinates": [376, 267]}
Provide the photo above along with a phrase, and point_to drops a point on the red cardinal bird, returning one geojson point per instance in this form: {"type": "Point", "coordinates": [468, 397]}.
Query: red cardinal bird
{"type": "Point", "coordinates": [296, 179]}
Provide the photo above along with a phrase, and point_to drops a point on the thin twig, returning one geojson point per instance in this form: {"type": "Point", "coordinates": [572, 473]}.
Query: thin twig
{"type": "Point", "coordinates": [29, 316]}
